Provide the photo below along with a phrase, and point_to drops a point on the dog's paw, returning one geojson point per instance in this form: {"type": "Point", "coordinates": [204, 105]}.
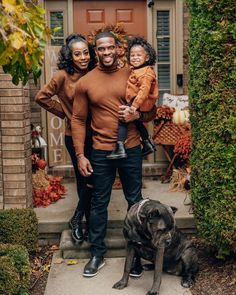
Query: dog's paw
{"type": "Point", "coordinates": [120, 285]}
{"type": "Point", "coordinates": [152, 293]}
{"type": "Point", "coordinates": [187, 283]}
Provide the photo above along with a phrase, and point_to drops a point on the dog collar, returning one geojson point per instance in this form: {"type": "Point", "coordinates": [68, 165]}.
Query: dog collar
{"type": "Point", "coordinates": [139, 208]}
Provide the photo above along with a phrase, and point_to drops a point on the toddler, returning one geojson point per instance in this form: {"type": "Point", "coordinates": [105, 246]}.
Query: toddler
{"type": "Point", "coordinates": [141, 93]}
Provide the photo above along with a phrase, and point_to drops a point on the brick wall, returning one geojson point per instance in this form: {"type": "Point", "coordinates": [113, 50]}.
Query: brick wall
{"type": "Point", "coordinates": [15, 145]}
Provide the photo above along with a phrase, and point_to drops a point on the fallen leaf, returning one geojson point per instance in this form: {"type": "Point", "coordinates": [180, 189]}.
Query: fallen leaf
{"type": "Point", "coordinates": [46, 267]}
{"type": "Point", "coordinates": [54, 247]}
{"type": "Point", "coordinates": [72, 262]}
{"type": "Point", "coordinates": [58, 261]}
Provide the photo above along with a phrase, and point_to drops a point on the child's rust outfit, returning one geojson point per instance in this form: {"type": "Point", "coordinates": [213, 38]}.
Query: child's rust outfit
{"type": "Point", "coordinates": [142, 87]}
{"type": "Point", "coordinates": [141, 93]}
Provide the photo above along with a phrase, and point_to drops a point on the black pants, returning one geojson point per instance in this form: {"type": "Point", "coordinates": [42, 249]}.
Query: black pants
{"type": "Point", "coordinates": [122, 130]}
{"type": "Point", "coordinates": [83, 191]}
{"type": "Point", "coordinates": [130, 172]}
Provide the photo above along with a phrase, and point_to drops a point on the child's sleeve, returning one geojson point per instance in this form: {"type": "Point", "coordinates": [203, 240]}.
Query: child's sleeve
{"type": "Point", "coordinates": [145, 82]}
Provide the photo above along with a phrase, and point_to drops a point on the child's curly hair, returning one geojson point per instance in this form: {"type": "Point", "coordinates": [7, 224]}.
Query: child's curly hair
{"type": "Point", "coordinates": [135, 41]}
{"type": "Point", "coordinates": [65, 60]}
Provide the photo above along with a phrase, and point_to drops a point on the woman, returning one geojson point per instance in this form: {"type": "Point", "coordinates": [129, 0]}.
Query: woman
{"type": "Point", "coordinates": [76, 58]}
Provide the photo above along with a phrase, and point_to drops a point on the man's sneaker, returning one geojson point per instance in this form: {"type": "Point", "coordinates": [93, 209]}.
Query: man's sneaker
{"type": "Point", "coordinates": [136, 268]}
{"type": "Point", "coordinates": [92, 267]}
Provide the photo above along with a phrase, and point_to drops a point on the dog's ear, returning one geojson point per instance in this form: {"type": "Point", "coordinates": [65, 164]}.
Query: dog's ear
{"type": "Point", "coordinates": [174, 209]}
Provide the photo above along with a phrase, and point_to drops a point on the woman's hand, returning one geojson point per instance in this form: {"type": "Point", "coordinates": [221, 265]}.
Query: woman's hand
{"type": "Point", "coordinates": [125, 115]}
{"type": "Point", "coordinates": [84, 166]}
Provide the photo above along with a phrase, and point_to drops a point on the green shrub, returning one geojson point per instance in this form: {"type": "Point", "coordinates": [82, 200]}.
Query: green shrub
{"type": "Point", "coordinates": [212, 92]}
{"type": "Point", "coordinates": [14, 269]}
{"type": "Point", "coordinates": [19, 226]}
{"type": "Point", "coordinates": [9, 278]}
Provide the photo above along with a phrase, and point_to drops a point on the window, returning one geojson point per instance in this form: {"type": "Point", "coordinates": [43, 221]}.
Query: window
{"type": "Point", "coordinates": [163, 52]}
{"type": "Point", "coordinates": [57, 20]}
{"type": "Point", "coordinates": [57, 12]}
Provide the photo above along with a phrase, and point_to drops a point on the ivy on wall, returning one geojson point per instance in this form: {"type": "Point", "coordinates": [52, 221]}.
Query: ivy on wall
{"type": "Point", "coordinates": [212, 92]}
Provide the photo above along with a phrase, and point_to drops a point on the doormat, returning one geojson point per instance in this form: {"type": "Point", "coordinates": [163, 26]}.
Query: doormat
{"type": "Point", "coordinates": [117, 184]}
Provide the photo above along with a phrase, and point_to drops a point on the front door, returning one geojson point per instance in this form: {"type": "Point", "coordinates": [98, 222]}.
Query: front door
{"type": "Point", "coordinates": [91, 15]}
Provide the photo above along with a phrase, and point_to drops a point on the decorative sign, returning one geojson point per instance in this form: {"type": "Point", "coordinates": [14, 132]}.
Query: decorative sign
{"type": "Point", "coordinates": [179, 102]}
{"type": "Point", "coordinates": [57, 153]}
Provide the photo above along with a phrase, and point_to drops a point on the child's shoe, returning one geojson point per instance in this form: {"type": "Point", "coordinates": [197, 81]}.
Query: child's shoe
{"type": "Point", "coordinates": [119, 152]}
{"type": "Point", "coordinates": [148, 147]}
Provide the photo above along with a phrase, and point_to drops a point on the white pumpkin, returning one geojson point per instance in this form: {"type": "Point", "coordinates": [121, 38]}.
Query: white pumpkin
{"type": "Point", "coordinates": [180, 117]}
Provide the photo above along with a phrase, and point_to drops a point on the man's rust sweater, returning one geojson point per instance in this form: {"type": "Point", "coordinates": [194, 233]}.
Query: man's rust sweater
{"type": "Point", "coordinates": [102, 91]}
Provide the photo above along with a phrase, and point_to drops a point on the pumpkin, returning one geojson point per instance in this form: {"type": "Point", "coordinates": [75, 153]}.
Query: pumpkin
{"type": "Point", "coordinates": [41, 164]}
{"type": "Point", "coordinates": [180, 117]}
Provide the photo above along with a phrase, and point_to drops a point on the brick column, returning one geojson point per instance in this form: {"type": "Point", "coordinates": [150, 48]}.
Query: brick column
{"type": "Point", "coordinates": [15, 145]}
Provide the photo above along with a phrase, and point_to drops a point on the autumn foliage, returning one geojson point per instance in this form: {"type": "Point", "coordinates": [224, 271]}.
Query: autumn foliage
{"type": "Point", "coordinates": [46, 189]}
{"type": "Point", "coordinates": [23, 36]}
{"type": "Point", "coordinates": [44, 196]}
{"type": "Point", "coordinates": [183, 146]}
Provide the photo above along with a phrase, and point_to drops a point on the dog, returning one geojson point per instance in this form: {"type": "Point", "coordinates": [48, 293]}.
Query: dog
{"type": "Point", "coordinates": [151, 232]}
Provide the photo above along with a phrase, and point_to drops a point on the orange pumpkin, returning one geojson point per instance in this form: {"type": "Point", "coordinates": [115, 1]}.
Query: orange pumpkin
{"type": "Point", "coordinates": [41, 164]}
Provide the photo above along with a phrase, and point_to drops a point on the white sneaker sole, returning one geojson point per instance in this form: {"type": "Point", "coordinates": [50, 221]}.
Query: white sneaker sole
{"type": "Point", "coordinates": [94, 274]}
{"type": "Point", "coordinates": [135, 276]}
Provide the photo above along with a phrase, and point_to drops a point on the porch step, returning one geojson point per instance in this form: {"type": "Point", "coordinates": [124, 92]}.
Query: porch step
{"type": "Point", "coordinates": [114, 240]}
{"type": "Point", "coordinates": [150, 170]}
{"type": "Point", "coordinates": [53, 220]}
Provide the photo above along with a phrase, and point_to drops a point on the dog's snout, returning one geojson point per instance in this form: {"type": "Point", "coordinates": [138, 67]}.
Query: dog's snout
{"type": "Point", "coordinates": [168, 239]}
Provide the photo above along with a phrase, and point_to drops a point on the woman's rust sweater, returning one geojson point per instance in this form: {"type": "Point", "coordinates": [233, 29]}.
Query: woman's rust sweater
{"type": "Point", "coordinates": [103, 91]}
{"type": "Point", "coordinates": [62, 84]}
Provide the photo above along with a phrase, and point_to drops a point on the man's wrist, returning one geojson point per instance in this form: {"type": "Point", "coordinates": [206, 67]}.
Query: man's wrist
{"type": "Point", "coordinates": [80, 156]}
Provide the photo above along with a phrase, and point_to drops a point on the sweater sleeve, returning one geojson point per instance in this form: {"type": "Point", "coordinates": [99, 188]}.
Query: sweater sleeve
{"type": "Point", "coordinates": [79, 118]}
{"type": "Point", "coordinates": [149, 116]}
{"type": "Point", "coordinates": [44, 96]}
{"type": "Point", "coordinates": [145, 85]}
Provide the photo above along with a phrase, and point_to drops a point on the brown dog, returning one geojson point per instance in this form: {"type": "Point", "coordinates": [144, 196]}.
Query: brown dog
{"type": "Point", "coordinates": [151, 232]}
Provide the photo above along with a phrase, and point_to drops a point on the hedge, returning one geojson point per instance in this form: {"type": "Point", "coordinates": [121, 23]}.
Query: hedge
{"type": "Point", "coordinates": [212, 92]}
{"type": "Point", "coordinates": [14, 270]}
{"type": "Point", "coordinates": [19, 226]}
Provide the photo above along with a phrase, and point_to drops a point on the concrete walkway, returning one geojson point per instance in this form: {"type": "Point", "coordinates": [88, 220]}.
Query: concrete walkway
{"type": "Point", "coordinates": [68, 280]}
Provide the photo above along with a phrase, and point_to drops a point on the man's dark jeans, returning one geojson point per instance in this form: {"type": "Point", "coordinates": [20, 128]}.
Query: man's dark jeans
{"type": "Point", "coordinates": [130, 172]}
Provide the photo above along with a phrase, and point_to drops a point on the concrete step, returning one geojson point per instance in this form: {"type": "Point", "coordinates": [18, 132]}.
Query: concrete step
{"type": "Point", "coordinates": [148, 170]}
{"type": "Point", "coordinates": [114, 240]}
{"type": "Point", "coordinates": [53, 220]}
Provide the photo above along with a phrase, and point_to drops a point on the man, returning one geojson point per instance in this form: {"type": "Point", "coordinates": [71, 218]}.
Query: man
{"type": "Point", "coordinates": [101, 92]}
